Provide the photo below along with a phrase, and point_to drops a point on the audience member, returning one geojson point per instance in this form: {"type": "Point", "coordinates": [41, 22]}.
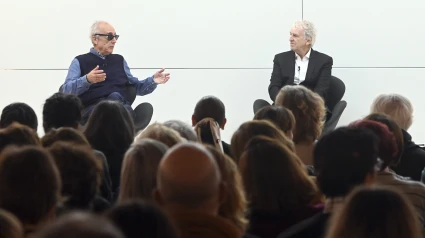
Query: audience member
{"type": "Point", "coordinates": [139, 167]}
{"type": "Point", "coordinates": [212, 107]}
{"type": "Point", "coordinates": [343, 159]}
{"type": "Point", "coordinates": [18, 135]}
{"type": "Point", "coordinates": [234, 206]}
{"type": "Point", "coordinates": [400, 109]}
{"type": "Point", "coordinates": [81, 225]}
{"type": "Point", "coordinates": [309, 112]}
{"type": "Point", "coordinates": [190, 189]}
{"type": "Point", "coordinates": [110, 129]}
{"type": "Point", "coordinates": [208, 132]}
{"type": "Point", "coordinates": [250, 129]}
{"type": "Point", "coordinates": [30, 186]}
{"type": "Point", "coordinates": [375, 212]}
{"type": "Point", "coordinates": [159, 132]}
{"type": "Point", "coordinates": [280, 117]}
{"type": "Point", "coordinates": [10, 227]}
{"type": "Point", "coordinates": [138, 219]}
{"type": "Point", "coordinates": [72, 136]}
{"type": "Point", "coordinates": [80, 175]}
{"type": "Point", "coordinates": [278, 188]}
{"type": "Point", "coordinates": [414, 191]}
{"type": "Point", "coordinates": [184, 129]}
{"type": "Point", "coordinates": [62, 110]}
{"type": "Point", "coordinates": [19, 112]}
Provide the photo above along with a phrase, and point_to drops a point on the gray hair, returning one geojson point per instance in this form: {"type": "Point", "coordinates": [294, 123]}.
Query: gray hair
{"type": "Point", "coordinates": [94, 29]}
{"type": "Point", "coordinates": [184, 129]}
{"type": "Point", "coordinates": [396, 106]}
{"type": "Point", "coordinates": [309, 30]}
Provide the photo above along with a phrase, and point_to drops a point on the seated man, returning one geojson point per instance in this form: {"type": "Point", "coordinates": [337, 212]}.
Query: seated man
{"type": "Point", "coordinates": [301, 65]}
{"type": "Point", "coordinates": [100, 75]}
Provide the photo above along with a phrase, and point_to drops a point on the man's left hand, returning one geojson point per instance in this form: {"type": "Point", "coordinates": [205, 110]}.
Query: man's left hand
{"type": "Point", "coordinates": [160, 77]}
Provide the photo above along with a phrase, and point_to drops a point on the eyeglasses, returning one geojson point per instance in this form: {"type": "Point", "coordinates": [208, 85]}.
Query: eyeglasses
{"type": "Point", "coordinates": [109, 35]}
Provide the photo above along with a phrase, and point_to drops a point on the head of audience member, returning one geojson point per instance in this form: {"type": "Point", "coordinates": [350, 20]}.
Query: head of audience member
{"type": "Point", "coordinates": [110, 127]}
{"type": "Point", "coordinates": [62, 110]}
{"type": "Point", "coordinates": [80, 173]}
{"type": "Point", "coordinates": [103, 37]}
{"type": "Point", "coordinates": [308, 109]}
{"type": "Point", "coordinates": [159, 132]}
{"type": "Point", "coordinates": [234, 206]}
{"type": "Point", "coordinates": [184, 129]}
{"type": "Point", "coordinates": [302, 37]}
{"type": "Point", "coordinates": [139, 169]}
{"type": "Point", "coordinates": [210, 106]}
{"type": "Point", "coordinates": [18, 112]}
{"type": "Point", "coordinates": [274, 177]}
{"type": "Point", "coordinates": [394, 128]}
{"type": "Point", "coordinates": [189, 180]}
{"type": "Point", "coordinates": [65, 134]}
{"type": "Point", "coordinates": [81, 225]}
{"type": "Point", "coordinates": [253, 128]}
{"type": "Point", "coordinates": [208, 132]}
{"type": "Point", "coordinates": [280, 116]}
{"type": "Point", "coordinates": [30, 185]}
{"type": "Point", "coordinates": [137, 218]}
{"type": "Point", "coordinates": [18, 135]}
{"type": "Point", "coordinates": [387, 146]}
{"type": "Point", "coordinates": [396, 106]}
{"type": "Point", "coordinates": [10, 226]}
{"type": "Point", "coordinates": [345, 158]}
{"type": "Point", "coordinates": [375, 212]}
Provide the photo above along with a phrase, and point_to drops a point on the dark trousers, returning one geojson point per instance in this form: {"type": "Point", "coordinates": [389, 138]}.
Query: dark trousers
{"type": "Point", "coordinates": [113, 97]}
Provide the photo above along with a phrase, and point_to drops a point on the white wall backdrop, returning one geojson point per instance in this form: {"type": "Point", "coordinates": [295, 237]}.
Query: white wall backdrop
{"type": "Point", "coordinates": [221, 48]}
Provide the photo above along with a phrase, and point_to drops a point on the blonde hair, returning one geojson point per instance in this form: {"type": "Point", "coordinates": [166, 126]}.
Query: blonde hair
{"type": "Point", "coordinates": [396, 106]}
{"type": "Point", "coordinates": [161, 133]}
{"type": "Point", "coordinates": [234, 207]}
{"type": "Point", "coordinates": [308, 109]}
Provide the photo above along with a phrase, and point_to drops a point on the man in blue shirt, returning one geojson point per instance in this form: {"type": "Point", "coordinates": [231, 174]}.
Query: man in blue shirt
{"type": "Point", "coordinates": [101, 75]}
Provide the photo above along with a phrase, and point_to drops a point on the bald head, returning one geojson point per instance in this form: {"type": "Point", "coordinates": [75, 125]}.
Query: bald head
{"type": "Point", "coordinates": [188, 176]}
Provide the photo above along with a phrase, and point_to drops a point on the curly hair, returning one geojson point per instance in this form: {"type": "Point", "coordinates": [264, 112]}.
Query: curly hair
{"type": "Point", "coordinates": [308, 109]}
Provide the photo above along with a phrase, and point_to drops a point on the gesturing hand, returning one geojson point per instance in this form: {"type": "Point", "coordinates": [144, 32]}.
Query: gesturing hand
{"type": "Point", "coordinates": [96, 75]}
{"type": "Point", "coordinates": [160, 77]}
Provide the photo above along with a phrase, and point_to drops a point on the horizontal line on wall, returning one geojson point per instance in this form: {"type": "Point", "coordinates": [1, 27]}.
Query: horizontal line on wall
{"type": "Point", "coordinates": [337, 67]}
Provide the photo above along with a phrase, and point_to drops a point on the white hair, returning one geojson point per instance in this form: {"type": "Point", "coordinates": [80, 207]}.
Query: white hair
{"type": "Point", "coordinates": [309, 30]}
{"type": "Point", "coordinates": [396, 106]}
{"type": "Point", "coordinates": [94, 29]}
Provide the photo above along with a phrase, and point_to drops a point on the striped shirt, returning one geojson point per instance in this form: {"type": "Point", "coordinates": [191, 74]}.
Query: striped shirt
{"type": "Point", "coordinates": [413, 190]}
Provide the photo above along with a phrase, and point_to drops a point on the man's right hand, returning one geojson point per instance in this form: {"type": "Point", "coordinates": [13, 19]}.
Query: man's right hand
{"type": "Point", "coordinates": [96, 75]}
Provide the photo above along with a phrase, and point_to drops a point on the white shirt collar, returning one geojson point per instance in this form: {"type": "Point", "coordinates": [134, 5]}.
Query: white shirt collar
{"type": "Point", "coordinates": [307, 56]}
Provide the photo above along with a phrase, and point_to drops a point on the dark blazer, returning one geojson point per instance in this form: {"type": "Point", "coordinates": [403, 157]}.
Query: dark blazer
{"type": "Point", "coordinates": [317, 78]}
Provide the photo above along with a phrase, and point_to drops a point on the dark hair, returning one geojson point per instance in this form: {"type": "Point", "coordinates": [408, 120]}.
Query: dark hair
{"type": "Point", "coordinates": [67, 134]}
{"type": "Point", "coordinates": [388, 150]}
{"type": "Point", "coordinates": [395, 129]}
{"type": "Point", "coordinates": [81, 225]}
{"type": "Point", "coordinates": [18, 135]}
{"type": "Point", "coordinates": [10, 226]}
{"type": "Point", "coordinates": [29, 183]}
{"type": "Point", "coordinates": [61, 110]}
{"type": "Point", "coordinates": [343, 158]}
{"type": "Point", "coordinates": [110, 127]}
{"type": "Point", "coordinates": [18, 112]}
{"type": "Point", "coordinates": [210, 106]}
{"type": "Point", "coordinates": [80, 172]}
{"type": "Point", "coordinates": [375, 212]}
{"type": "Point", "coordinates": [139, 168]}
{"type": "Point", "coordinates": [280, 116]}
{"type": "Point", "coordinates": [274, 177]}
{"type": "Point", "coordinates": [184, 129]}
{"type": "Point", "coordinates": [141, 219]}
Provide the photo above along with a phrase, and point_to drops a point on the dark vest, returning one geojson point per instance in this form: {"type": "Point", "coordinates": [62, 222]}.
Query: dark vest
{"type": "Point", "coordinates": [116, 78]}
